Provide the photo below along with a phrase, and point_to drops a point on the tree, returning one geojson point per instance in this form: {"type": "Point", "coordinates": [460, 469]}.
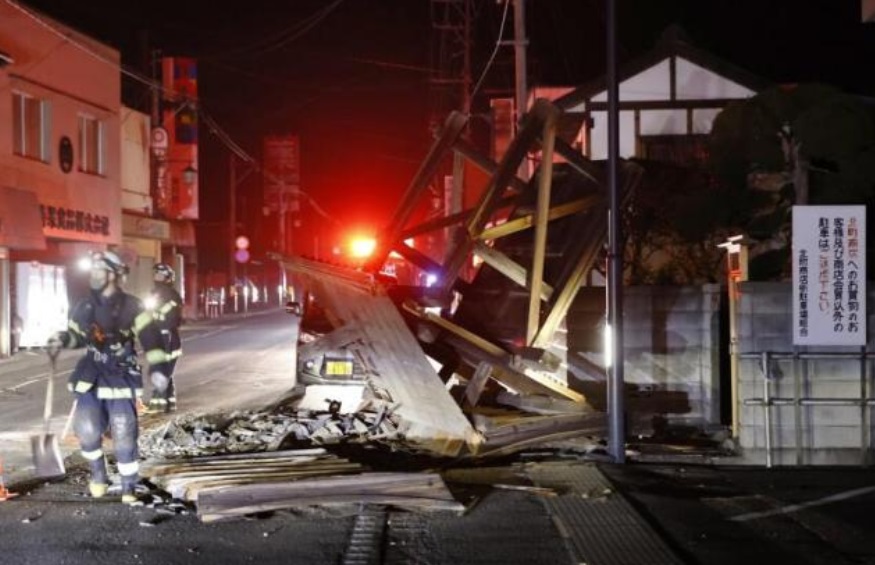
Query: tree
{"type": "Point", "coordinates": [797, 144]}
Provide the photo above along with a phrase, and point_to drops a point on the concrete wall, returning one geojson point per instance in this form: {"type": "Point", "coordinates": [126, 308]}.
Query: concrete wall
{"type": "Point", "coordinates": [810, 435]}
{"type": "Point", "coordinates": [671, 350]}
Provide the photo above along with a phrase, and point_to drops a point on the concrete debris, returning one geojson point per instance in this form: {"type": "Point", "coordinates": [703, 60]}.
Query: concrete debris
{"type": "Point", "coordinates": [255, 431]}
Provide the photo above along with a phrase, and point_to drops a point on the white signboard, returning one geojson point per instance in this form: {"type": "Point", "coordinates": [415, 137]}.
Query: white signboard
{"type": "Point", "coordinates": [829, 275]}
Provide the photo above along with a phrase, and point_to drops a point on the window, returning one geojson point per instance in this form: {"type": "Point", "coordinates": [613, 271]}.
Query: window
{"type": "Point", "coordinates": [30, 126]}
{"type": "Point", "coordinates": [92, 145]}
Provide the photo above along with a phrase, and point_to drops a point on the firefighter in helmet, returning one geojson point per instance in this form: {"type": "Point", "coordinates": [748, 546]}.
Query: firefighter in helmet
{"type": "Point", "coordinates": [165, 304]}
{"type": "Point", "coordinates": [107, 380]}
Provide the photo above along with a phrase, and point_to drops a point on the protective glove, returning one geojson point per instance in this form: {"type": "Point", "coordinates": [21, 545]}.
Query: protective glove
{"type": "Point", "coordinates": [57, 341]}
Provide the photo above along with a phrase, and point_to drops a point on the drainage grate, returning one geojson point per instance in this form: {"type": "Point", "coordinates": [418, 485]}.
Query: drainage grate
{"type": "Point", "coordinates": [366, 541]}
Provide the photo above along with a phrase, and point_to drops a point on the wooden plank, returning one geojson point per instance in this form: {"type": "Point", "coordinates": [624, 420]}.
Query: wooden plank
{"type": "Point", "coordinates": [420, 491]}
{"type": "Point", "coordinates": [401, 375]}
{"type": "Point", "coordinates": [189, 489]}
{"type": "Point", "coordinates": [477, 384]}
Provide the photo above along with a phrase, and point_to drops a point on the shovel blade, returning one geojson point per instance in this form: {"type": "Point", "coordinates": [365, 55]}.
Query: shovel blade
{"type": "Point", "coordinates": [47, 457]}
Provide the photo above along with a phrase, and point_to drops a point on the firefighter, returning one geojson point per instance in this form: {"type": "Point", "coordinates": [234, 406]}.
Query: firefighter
{"type": "Point", "coordinates": [166, 306]}
{"type": "Point", "coordinates": [107, 380]}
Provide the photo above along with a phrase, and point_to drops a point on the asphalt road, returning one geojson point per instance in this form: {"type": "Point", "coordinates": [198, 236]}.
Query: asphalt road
{"type": "Point", "coordinates": [726, 514]}
{"type": "Point", "coordinates": [237, 361]}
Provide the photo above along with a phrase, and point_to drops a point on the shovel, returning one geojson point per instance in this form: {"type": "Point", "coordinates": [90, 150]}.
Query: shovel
{"type": "Point", "coordinates": [47, 457]}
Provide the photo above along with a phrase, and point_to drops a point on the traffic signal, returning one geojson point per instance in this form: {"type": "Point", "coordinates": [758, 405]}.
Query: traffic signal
{"type": "Point", "coordinates": [241, 253]}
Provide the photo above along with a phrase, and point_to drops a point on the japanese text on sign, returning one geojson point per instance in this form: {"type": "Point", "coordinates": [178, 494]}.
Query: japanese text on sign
{"type": "Point", "coordinates": [829, 274]}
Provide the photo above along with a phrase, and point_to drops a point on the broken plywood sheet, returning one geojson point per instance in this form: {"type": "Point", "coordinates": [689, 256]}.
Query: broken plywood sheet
{"type": "Point", "coordinates": [413, 491]}
{"type": "Point", "coordinates": [186, 478]}
{"type": "Point", "coordinates": [398, 370]}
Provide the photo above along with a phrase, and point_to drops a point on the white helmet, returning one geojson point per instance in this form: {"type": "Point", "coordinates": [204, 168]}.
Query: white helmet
{"type": "Point", "coordinates": [109, 261]}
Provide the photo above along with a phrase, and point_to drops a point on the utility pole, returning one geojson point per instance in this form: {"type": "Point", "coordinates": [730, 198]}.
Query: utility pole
{"type": "Point", "coordinates": [232, 220]}
{"type": "Point", "coordinates": [520, 85]}
{"type": "Point", "coordinates": [450, 88]}
{"type": "Point", "coordinates": [519, 53]}
{"type": "Point", "coordinates": [616, 385]}
{"type": "Point", "coordinates": [156, 91]}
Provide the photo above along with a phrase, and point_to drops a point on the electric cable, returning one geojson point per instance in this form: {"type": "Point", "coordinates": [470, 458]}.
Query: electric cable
{"type": "Point", "coordinates": [208, 120]}
{"type": "Point", "coordinates": [278, 40]}
{"type": "Point", "coordinates": [494, 51]}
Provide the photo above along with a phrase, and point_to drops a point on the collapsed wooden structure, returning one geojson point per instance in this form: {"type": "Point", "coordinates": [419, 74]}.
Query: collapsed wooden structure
{"type": "Point", "coordinates": [489, 329]}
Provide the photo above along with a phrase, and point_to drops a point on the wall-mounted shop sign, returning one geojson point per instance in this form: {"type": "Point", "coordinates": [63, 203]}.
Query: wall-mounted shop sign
{"type": "Point", "coordinates": [73, 220]}
{"type": "Point", "coordinates": [829, 275]}
{"type": "Point", "coordinates": [148, 228]}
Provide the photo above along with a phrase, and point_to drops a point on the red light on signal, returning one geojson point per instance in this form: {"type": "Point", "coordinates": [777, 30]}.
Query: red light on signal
{"type": "Point", "coordinates": [362, 247]}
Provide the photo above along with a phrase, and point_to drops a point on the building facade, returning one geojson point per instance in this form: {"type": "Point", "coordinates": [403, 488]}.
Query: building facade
{"type": "Point", "coordinates": [59, 168]}
{"type": "Point", "coordinates": [668, 100]}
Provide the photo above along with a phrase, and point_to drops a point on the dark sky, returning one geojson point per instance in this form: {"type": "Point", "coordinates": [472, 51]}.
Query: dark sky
{"type": "Point", "coordinates": [354, 86]}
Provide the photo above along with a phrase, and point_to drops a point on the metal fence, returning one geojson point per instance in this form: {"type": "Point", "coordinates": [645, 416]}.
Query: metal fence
{"type": "Point", "coordinates": [768, 372]}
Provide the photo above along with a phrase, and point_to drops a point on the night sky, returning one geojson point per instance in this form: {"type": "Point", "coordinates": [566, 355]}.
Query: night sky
{"type": "Point", "coordinates": [353, 82]}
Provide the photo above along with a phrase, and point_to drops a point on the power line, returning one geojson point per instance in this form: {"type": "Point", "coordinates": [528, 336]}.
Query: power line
{"type": "Point", "coordinates": [279, 40]}
{"type": "Point", "coordinates": [494, 51]}
{"type": "Point", "coordinates": [208, 120]}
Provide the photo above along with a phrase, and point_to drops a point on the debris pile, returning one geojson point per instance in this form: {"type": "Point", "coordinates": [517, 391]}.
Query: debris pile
{"type": "Point", "coordinates": [249, 431]}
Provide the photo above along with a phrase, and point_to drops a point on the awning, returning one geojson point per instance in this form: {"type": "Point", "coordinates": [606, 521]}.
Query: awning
{"type": "Point", "coordinates": [182, 233]}
{"type": "Point", "coordinates": [21, 225]}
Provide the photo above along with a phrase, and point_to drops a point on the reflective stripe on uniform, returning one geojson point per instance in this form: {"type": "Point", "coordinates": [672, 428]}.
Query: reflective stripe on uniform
{"type": "Point", "coordinates": [167, 308]}
{"type": "Point", "coordinates": [92, 455]}
{"type": "Point", "coordinates": [74, 327]}
{"type": "Point", "coordinates": [82, 386]}
{"type": "Point", "coordinates": [128, 469]}
{"type": "Point", "coordinates": [154, 356]}
{"type": "Point", "coordinates": [141, 321]}
{"type": "Point", "coordinates": [119, 393]}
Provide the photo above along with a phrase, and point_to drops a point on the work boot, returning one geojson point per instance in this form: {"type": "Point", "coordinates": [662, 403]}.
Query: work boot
{"type": "Point", "coordinates": [97, 490]}
{"type": "Point", "coordinates": [171, 405]}
{"type": "Point", "coordinates": [156, 406]}
{"type": "Point", "coordinates": [129, 498]}
{"type": "Point", "coordinates": [99, 483]}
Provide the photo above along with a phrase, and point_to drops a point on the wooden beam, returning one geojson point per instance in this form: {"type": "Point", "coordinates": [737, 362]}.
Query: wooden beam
{"type": "Point", "coordinates": [525, 222]}
{"type": "Point", "coordinates": [545, 183]}
{"type": "Point", "coordinates": [477, 384]}
{"type": "Point", "coordinates": [452, 129]}
{"type": "Point", "coordinates": [509, 268]}
{"type": "Point", "coordinates": [510, 163]}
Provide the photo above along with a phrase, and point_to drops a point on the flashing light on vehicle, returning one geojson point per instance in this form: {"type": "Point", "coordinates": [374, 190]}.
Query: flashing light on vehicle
{"type": "Point", "coordinates": [362, 247]}
{"type": "Point", "coordinates": [430, 279]}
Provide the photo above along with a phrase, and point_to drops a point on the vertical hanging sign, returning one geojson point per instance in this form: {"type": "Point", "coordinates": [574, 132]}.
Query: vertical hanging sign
{"type": "Point", "coordinates": [282, 172]}
{"type": "Point", "coordinates": [829, 275]}
{"type": "Point", "coordinates": [180, 178]}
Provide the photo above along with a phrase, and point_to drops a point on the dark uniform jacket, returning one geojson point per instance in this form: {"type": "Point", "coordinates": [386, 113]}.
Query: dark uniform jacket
{"type": "Point", "coordinates": [109, 327]}
{"type": "Point", "coordinates": [168, 317]}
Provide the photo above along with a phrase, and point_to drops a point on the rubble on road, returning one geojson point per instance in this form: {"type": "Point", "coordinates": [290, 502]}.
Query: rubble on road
{"type": "Point", "coordinates": [473, 367]}
{"type": "Point", "coordinates": [248, 431]}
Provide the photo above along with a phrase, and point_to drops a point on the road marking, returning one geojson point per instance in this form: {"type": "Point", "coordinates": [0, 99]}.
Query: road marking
{"type": "Point", "coordinates": [207, 334]}
{"type": "Point", "coordinates": [797, 507]}
{"type": "Point", "coordinates": [38, 378]}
